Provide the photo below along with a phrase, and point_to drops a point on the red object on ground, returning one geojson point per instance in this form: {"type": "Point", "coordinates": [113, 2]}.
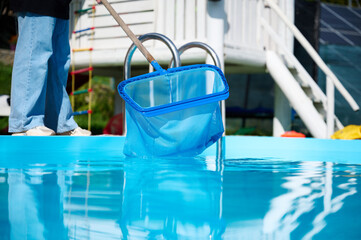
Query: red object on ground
{"type": "Point", "coordinates": [115, 125]}
{"type": "Point", "coordinates": [293, 134]}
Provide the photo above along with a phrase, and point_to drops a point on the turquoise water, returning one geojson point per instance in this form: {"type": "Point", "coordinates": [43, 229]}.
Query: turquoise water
{"type": "Point", "coordinates": [85, 191]}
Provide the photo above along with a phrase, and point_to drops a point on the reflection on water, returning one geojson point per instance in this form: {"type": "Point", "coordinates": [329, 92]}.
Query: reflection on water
{"type": "Point", "coordinates": [192, 198]}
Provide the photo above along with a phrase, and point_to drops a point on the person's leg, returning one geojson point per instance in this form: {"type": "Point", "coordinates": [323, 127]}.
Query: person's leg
{"type": "Point", "coordinates": [29, 77]}
{"type": "Point", "coordinates": [58, 111]}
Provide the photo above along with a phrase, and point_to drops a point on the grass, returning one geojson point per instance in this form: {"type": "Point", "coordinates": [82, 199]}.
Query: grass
{"type": "Point", "coordinates": [5, 86]}
{"type": "Point", "coordinates": [5, 79]}
{"type": "Point", "coordinates": [102, 105]}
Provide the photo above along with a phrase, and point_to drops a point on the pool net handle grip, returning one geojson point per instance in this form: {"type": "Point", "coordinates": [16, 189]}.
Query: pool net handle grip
{"type": "Point", "coordinates": [129, 32]}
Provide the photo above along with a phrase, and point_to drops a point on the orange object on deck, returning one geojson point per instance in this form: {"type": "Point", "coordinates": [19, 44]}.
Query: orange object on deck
{"type": "Point", "coordinates": [293, 134]}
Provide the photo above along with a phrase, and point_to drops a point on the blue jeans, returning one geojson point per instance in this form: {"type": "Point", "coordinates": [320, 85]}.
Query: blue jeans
{"type": "Point", "coordinates": [40, 72]}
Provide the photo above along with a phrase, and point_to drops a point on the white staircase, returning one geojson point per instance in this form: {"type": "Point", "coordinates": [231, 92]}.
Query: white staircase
{"type": "Point", "coordinates": [296, 95]}
{"type": "Point", "coordinates": [315, 108]}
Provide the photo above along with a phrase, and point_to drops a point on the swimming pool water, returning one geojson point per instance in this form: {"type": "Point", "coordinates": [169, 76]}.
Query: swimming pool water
{"type": "Point", "coordinates": [75, 190]}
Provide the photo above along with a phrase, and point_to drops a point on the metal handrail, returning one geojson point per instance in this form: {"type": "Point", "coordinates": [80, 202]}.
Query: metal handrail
{"type": "Point", "coordinates": [131, 50]}
{"type": "Point", "coordinates": [221, 142]}
{"type": "Point", "coordinates": [203, 46]}
{"type": "Point", "coordinates": [313, 54]}
{"type": "Point", "coordinates": [146, 37]}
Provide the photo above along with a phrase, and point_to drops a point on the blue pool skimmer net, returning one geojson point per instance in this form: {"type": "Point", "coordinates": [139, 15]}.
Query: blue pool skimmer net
{"type": "Point", "coordinates": [173, 112]}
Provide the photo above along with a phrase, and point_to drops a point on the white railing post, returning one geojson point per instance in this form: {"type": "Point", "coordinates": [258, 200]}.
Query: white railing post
{"type": "Point", "coordinates": [282, 113]}
{"type": "Point", "coordinates": [330, 92]}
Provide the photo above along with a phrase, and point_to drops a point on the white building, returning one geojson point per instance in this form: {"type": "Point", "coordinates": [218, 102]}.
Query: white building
{"type": "Point", "coordinates": [248, 35]}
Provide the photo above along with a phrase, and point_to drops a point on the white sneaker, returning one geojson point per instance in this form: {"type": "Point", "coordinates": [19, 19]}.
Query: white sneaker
{"type": "Point", "coordinates": [36, 131]}
{"type": "Point", "coordinates": [77, 132]}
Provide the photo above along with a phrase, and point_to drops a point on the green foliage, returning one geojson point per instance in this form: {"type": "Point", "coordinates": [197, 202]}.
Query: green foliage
{"type": "Point", "coordinates": [3, 125]}
{"type": "Point", "coordinates": [102, 105]}
{"type": "Point", "coordinates": [5, 86]}
{"type": "Point", "coordinates": [5, 79]}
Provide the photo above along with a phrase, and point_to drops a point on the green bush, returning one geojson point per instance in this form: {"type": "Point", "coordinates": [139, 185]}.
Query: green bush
{"type": "Point", "coordinates": [102, 105]}
{"type": "Point", "coordinates": [5, 79]}
{"type": "Point", "coordinates": [5, 86]}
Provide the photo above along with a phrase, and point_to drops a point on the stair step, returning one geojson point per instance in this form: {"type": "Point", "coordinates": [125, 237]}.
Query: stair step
{"type": "Point", "coordinates": [296, 75]}
{"type": "Point", "coordinates": [310, 94]}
